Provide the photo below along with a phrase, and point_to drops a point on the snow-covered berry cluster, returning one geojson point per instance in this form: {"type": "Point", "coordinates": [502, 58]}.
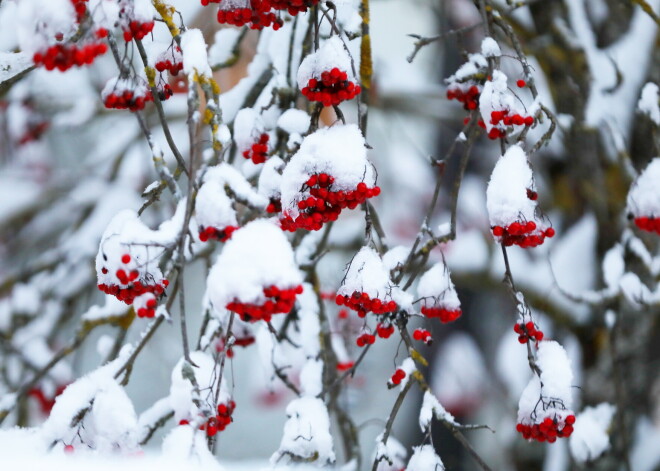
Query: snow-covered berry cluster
{"type": "Point", "coordinates": [423, 335]}
{"type": "Point", "coordinates": [125, 94]}
{"type": "Point", "coordinates": [643, 204]}
{"type": "Point", "coordinates": [129, 281]}
{"type": "Point", "coordinates": [544, 409]}
{"type": "Point", "coordinates": [527, 331]}
{"type": "Point", "coordinates": [63, 40]}
{"type": "Point", "coordinates": [127, 263]}
{"type": "Point", "coordinates": [330, 172]}
{"type": "Point", "coordinates": [214, 213]}
{"type": "Point", "coordinates": [465, 84]}
{"type": "Point", "coordinates": [293, 7]}
{"type": "Point", "coordinates": [325, 76]}
{"type": "Point", "coordinates": [503, 120]}
{"type": "Point", "coordinates": [512, 203]}
{"type": "Point", "coordinates": [170, 60]}
{"type": "Point", "coordinates": [251, 136]}
{"type": "Point", "coordinates": [257, 14]}
{"type": "Point", "coordinates": [136, 19]}
{"type": "Point", "coordinates": [548, 430]}
{"type": "Point", "coordinates": [438, 295]}
{"type": "Point", "coordinates": [397, 377]}
{"type": "Point", "coordinates": [256, 275]}
{"type": "Point", "coordinates": [145, 305]}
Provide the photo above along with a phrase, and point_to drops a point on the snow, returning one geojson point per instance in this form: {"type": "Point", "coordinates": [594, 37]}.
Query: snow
{"type": "Point", "coordinates": [225, 174]}
{"type": "Point", "coordinates": [193, 48]}
{"type": "Point", "coordinates": [431, 407]}
{"type": "Point", "coordinates": [224, 42]}
{"type": "Point", "coordinates": [12, 64]}
{"type": "Point", "coordinates": [649, 102]}
{"type": "Point", "coordinates": [644, 194]}
{"type": "Point", "coordinates": [248, 127]}
{"type": "Point", "coordinates": [614, 266]}
{"type": "Point", "coordinates": [424, 458]}
{"type": "Point", "coordinates": [590, 437]}
{"type": "Point", "coordinates": [257, 256]}
{"type": "Point", "coordinates": [437, 285]}
{"type": "Point", "coordinates": [213, 208]}
{"type": "Point", "coordinates": [306, 433]}
{"type": "Point", "coordinates": [393, 454]}
{"type": "Point", "coordinates": [490, 48]}
{"type": "Point", "coordinates": [367, 274]}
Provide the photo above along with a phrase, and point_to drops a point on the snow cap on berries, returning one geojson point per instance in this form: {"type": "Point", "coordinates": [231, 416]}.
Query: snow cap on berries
{"type": "Point", "coordinates": [332, 54]}
{"type": "Point", "coordinates": [213, 207]}
{"type": "Point", "coordinates": [257, 256]}
{"type": "Point", "coordinates": [507, 199]}
{"type": "Point", "coordinates": [193, 48]}
{"type": "Point", "coordinates": [367, 274]}
{"type": "Point", "coordinates": [338, 151]}
{"type": "Point", "coordinates": [306, 433]}
{"type": "Point", "coordinates": [437, 289]}
{"type": "Point", "coordinates": [644, 194]}
{"type": "Point", "coordinates": [424, 458]}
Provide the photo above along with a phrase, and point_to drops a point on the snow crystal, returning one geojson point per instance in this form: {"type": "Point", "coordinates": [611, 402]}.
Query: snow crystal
{"type": "Point", "coordinates": [649, 102]}
{"type": "Point", "coordinates": [193, 48]}
{"type": "Point", "coordinates": [424, 458]}
{"type": "Point", "coordinates": [590, 437]}
{"type": "Point", "coordinates": [257, 256]}
{"type": "Point", "coordinates": [644, 195]}
{"type": "Point", "coordinates": [490, 48]}
{"type": "Point", "coordinates": [306, 432]}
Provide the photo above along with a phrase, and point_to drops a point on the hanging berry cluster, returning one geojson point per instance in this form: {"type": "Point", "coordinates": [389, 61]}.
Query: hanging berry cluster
{"type": "Point", "coordinates": [365, 339]}
{"type": "Point", "coordinates": [131, 94]}
{"type": "Point", "coordinates": [221, 420]}
{"type": "Point", "coordinates": [258, 152]}
{"type": "Point", "coordinates": [145, 305]}
{"type": "Point", "coordinates": [469, 97]}
{"type": "Point", "coordinates": [278, 301]}
{"type": "Point", "coordinates": [363, 304]}
{"type": "Point", "coordinates": [527, 331]}
{"type": "Point", "coordinates": [438, 295]}
{"type": "Point", "coordinates": [213, 233]}
{"type": "Point", "coordinates": [214, 212]}
{"type": "Point", "coordinates": [130, 281]}
{"type": "Point", "coordinates": [547, 430]}
{"type": "Point", "coordinates": [523, 234]}
{"type": "Point", "coordinates": [60, 52]}
{"type": "Point", "coordinates": [258, 14]}
{"type": "Point", "coordinates": [650, 224]}
{"type": "Point", "coordinates": [384, 331]}
{"type": "Point", "coordinates": [466, 84]}
{"type": "Point", "coordinates": [170, 60]}
{"type": "Point", "coordinates": [503, 121]}
{"type": "Point", "coordinates": [423, 335]}
{"type": "Point", "coordinates": [135, 19]}
{"type": "Point", "coordinates": [251, 135]}
{"type": "Point", "coordinates": [325, 76]}
{"type": "Point", "coordinates": [397, 377]}
{"type": "Point", "coordinates": [325, 204]}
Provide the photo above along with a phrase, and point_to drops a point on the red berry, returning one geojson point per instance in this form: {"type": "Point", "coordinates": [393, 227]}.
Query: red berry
{"type": "Point", "coordinates": [521, 83]}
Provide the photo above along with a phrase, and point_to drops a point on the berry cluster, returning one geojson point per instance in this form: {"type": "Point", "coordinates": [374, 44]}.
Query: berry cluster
{"type": "Point", "coordinates": [258, 152]}
{"type": "Point", "coordinates": [274, 206]}
{"type": "Point", "coordinates": [497, 117]}
{"type": "Point", "coordinates": [137, 30]}
{"type": "Point", "coordinates": [344, 366]}
{"type": "Point", "coordinates": [445, 315]}
{"type": "Point", "coordinates": [384, 331]}
{"type": "Point", "coordinates": [279, 301]}
{"type": "Point", "coordinates": [365, 339]}
{"type": "Point", "coordinates": [145, 305]}
{"type": "Point", "coordinates": [258, 17]}
{"type": "Point", "coordinates": [523, 234]}
{"type": "Point", "coordinates": [128, 100]}
{"type": "Point", "coordinates": [423, 335]}
{"type": "Point", "coordinates": [64, 56]}
{"type": "Point", "coordinates": [527, 331]}
{"type": "Point", "coordinates": [173, 66]}
{"type": "Point", "coordinates": [548, 430]}
{"type": "Point", "coordinates": [650, 224]}
{"type": "Point", "coordinates": [223, 235]}
{"type": "Point", "coordinates": [397, 377]}
{"type": "Point", "coordinates": [132, 283]}
{"type": "Point", "coordinates": [293, 7]}
{"type": "Point", "coordinates": [362, 303]}
{"type": "Point", "coordinates": [324, 204]}
{"type": "Point", "coordinates": [469, 98]}
{"type": "Point", "coordinates": [219, 422]}
{"type": "Point", "coordinates": [332, 88]}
